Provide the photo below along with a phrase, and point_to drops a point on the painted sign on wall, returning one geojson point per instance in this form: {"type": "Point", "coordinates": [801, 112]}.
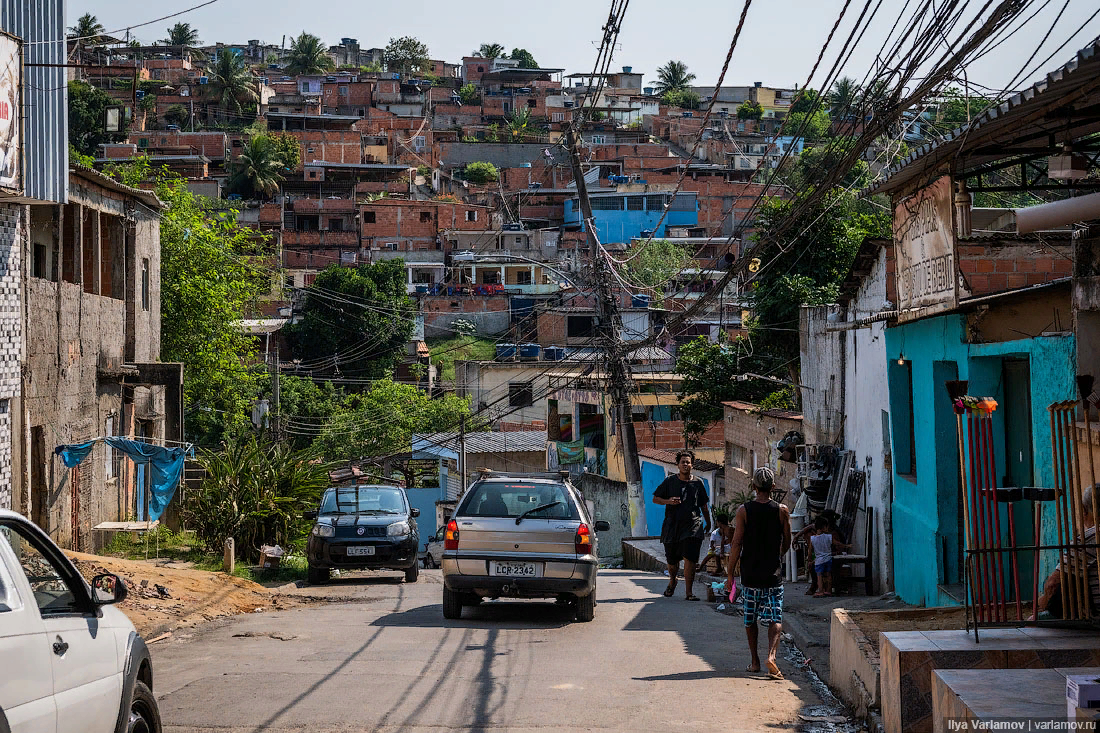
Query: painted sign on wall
{"type": "Point", "coordinates": [924, 244]}
{"type": "Point", "coordinates": [11, 144]}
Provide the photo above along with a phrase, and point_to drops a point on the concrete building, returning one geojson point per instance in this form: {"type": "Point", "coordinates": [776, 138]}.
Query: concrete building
{"type": "Point", "coordinates": [92, 289]}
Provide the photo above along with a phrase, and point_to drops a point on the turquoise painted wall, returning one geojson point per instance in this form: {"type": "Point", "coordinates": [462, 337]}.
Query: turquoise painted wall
{"type": "Point", "coordinates": [424, 499]}
{"type": "Point", "coordinates": [924, 507]}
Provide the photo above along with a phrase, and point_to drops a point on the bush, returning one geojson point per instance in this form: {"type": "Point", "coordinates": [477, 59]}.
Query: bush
{"type": "Point", "coordinates": [254, 492]}
{"type": "Point", "coordinates": [467, 93]}
{"type": "Point", "coordinates": [481, 172]}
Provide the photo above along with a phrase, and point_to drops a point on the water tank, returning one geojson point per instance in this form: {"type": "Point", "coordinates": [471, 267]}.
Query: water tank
{"type": "Point", "coordinates": [506, 351]}
{"type": "Point", "coordinates": [627, 69]}
{"type": "Point", "coordinates": [639, 301]}
{"type": "Point", "coordinates": [422, 289]}
{"type": "Point", "coordinates": [553, 353]}
{"type": "Point", "coordinates": [529, 351]}
{"type": "Point", "coordinates": [204, 80]}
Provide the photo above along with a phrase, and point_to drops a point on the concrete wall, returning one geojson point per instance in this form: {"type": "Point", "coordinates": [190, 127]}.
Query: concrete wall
{"type": "Point", "coordinates": [924, 523]}
{"type": "Point", "coordinates": [502, 155]}
{"type": "Point", "coordinates": [607, 500]}
{"type": "Point", "coordinates": [757, 433]}
{"type": "Point", "coordinates": [488, 382]}
{"type": "Point", "coordinates": [74, 389]}
{"type": "Point", "coordinates": [12, 219]}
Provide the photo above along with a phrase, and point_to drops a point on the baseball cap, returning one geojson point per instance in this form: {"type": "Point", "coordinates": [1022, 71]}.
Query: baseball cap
{"type": "Point", "coordinates": [763, 479]}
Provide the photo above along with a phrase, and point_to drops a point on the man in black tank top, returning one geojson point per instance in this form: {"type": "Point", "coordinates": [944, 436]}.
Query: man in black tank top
{"type": "Point", "coordinates": [761, 536]}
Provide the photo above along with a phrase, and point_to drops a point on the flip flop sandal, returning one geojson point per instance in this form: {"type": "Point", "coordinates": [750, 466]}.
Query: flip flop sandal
{"type": "Point", "coordinates": [691, 598]}
{"type": "Point", "coordinates": [670, 590]}
{"type": "Point", "coordinates": [775, 674]}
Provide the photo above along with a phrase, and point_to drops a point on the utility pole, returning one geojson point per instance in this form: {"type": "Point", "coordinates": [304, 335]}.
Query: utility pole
{"type": "Point", "coordinates": [618, 367]}
{"type": "Point", "coordinates": [462, 455]}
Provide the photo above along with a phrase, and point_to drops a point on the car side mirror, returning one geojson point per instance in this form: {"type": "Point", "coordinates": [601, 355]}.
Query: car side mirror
{"type": "Point", "coordinates": [602, 525]}
{"type": "Point", "coordinates": [312, 514]}
{"type": "Point", "coordinates": [108, 588]}
{"type": "Point", "coordinates": [414, 512]}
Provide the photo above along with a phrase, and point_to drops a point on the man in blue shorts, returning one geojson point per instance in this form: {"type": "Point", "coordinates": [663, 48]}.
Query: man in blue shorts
{"type": "Point", "coordinates": [761, 536]}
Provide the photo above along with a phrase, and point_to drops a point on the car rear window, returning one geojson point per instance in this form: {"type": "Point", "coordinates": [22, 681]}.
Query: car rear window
{"type": "Point", "coordinates": [493, 499]}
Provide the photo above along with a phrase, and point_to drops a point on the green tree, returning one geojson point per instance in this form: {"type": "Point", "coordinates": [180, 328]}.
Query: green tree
{"type": "Point", "coordinates": [355, 321]}
{"type": "Point", "coordinates": [750, 110]}
{"type": "Point", "coordinates": [683, 98]}
{"type": "Point", "coordinates": [481, 172]}
{"type": "Point", "coordinates": [711, 376]}
{"type": "Point", "coordinates": [304, 401]}
{"type": "Point", "coordinates": [525, 59]}
{"type": "Point", "coordinates": [182, 34]}
{"type": "Point", "coordinates": [954, 109]}
{"type": "Point", "coordinates": [384, 420]}
{"type": "Point", "coordinates": [258, 170]}
{"type": "Point", "coordinates": [468, 93]}
{"type": "Point", "coordinates": [230, 84]}
{"type": "Point", "coordinates": [518, 123]}
{"type": "Point", "coordinates": [809, 100]}
{"type": "Point", "coordinates": [308, 55]}
{"type": "Point", "coordinates": [812, 127]}
{"type": "Point", "coordinates": [489, 51]}
{"type": "Point", "coordinates": [87, 110]}
{"type": "Point", "coordinates": [844, 99]}
{"type": "Point", "coordinates": [405, 54]}
{"type": "Point", "coordinates": [88, 31]}
{"type": "Point", "coordinates": [673, 77]}
{"type": "Point", "coordinates": [177, 115]}
{"type": "Point", "coordinates": [289, 150]}
{"type": "Point", "coordinates": [208, 283]}
{"type": "Point", "coordinates": [656, 262]}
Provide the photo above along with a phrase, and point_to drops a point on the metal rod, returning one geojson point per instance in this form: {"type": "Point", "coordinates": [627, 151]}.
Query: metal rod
{"type": "Point", "coordinates": [1086, 392]}
{"type": "Point", "coordinates": [1059, 492]}
{"type": "Point", "coordinates": [979, 518]}
{"type": "Point", "coordinates": [1038, 507]}
{"type": "Point", "coordinates": [989, 488]}
{"type": "Point", "coordinates": [967, 540]}
{"type": "Point", "coordinates": [1014, 560]}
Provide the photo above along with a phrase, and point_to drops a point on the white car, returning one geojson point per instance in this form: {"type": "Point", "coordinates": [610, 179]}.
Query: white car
{"type": "Point", "coordinates": [433, 549]}
{"type": "Point", "coordinates": [82, 668]}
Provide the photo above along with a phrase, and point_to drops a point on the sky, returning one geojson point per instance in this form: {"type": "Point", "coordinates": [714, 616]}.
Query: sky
{"type": "Point", "coordinates": [778, 46]}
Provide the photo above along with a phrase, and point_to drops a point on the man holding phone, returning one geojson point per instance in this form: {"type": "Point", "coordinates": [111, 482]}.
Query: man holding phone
{"type": "Point", "coordinates": [687, 521]}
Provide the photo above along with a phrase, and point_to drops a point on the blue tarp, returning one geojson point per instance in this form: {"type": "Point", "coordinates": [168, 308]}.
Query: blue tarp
{"type": "Point", "coordinates": [165, 466]}
{"type": "Point", "coordinates": [72, 455]}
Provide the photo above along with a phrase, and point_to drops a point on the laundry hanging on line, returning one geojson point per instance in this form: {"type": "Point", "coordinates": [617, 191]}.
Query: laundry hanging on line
{"type": "Point", "coordinates": [165, 464]}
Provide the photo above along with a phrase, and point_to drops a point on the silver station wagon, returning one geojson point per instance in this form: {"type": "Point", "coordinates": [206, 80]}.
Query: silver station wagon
{"type": "Point", "coordinates": [519, 535]}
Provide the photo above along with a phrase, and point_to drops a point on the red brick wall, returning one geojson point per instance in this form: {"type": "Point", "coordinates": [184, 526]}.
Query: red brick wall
{"type": "Point", "coordinates": [359, 94]}
{"type": "Point", "coordinates": [551, 327]}
{"type": "Point", "coordinates": [670, 435]}
{"type": "Point", "coordinates": [466, 304]}
{"type": "Point", "coordinates": [999, 266]}
{"type": "Point", "coordinates": [331, 146]}
{"type": "Point", "coordinates": [470, 66]}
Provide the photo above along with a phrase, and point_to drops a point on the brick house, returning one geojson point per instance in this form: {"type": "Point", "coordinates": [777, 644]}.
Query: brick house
{"type": "Point", "coordinates": [750, 435]}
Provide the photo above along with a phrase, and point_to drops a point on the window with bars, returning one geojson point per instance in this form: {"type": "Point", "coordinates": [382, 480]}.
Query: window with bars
{"type": "Point", "coordinates": [635, 203]}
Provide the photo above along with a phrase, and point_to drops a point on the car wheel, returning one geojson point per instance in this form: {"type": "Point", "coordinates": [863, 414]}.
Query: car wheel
{"type": "Point", "coordinates": [412, 573]}
{"type": "Point", "coordinates": [452, 604]}
{"type": "Point", "coordinates": [144, 713]}
{"type": "Point", "coordinates": [317, 576]}
{"type": "Point", "coordinates": [586, 607]}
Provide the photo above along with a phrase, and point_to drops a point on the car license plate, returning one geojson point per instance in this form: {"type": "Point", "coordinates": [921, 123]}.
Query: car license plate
{"type": "Point", "coordinates": [360, 551]}
{"type": "Point", "coordinates": [513, 569]}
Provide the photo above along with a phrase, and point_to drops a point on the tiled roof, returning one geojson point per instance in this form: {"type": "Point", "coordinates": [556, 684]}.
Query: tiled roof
{"type": "Point", "coordinates": [669, 457]}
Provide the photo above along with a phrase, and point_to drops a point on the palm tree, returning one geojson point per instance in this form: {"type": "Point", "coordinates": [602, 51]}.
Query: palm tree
{"type": "Point", "coordinates": [87, 28]}
{"type": "Point", "coordinates": [490, 51]}
{"type": "Point", "coordinates": [230, 82]}
{"type": "Point", "coordinates": [257, 169]}
{"type": "Point", "coordinates": [182, 34]}
{"type": "Point", "coordinates": [673, 77]}
{"type": "Point", "coordinates": [308, 56]}
{"type": "Point", "coordinates": [844, 98]}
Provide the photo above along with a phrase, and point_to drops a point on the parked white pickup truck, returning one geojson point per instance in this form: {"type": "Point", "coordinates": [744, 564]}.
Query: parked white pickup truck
{"type": "Point", "coordinates": [74, 663]}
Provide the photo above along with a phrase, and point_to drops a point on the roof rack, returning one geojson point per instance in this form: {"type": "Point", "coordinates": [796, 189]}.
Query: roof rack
{"type": "Point", "coordinates": [485, 473]}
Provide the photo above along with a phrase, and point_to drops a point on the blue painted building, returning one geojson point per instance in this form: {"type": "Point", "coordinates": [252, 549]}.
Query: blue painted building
{"type": "Point", "coordinates": [659, 464]}
{"type": "Point", "coordinates": [621, 217]}
{"type": "Point", "coordinates": [1025, 375]}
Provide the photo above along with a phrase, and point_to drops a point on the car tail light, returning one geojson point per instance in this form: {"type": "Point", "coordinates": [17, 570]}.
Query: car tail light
{"type": "Point", "coordinates": [450, 539]}
{"type": "Point", "coordinates": [583, 540]}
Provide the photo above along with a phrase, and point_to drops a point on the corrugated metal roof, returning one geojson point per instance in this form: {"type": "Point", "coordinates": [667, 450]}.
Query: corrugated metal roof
{"type": "Point", "coordinates": [1014, 116]}
{"type": "Point", "coordinates": [113, 184]}
{"type": "Point", "coordinates": [41, 25]}
{"type": "Point", "coordinates": [522, 441]}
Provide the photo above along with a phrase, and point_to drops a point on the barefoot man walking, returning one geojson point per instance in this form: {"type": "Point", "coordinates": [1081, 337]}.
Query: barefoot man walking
{"type": "Point", "coordinates": [761, 536]}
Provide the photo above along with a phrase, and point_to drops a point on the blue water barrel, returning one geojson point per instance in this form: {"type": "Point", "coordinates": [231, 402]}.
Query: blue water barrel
{"type": "Point", "coordinates": [639, 301]}
{"type": "Point", "coordinates": [553, 353]}
{"type": "Point", "coordinates": [529, 351]}
{"type": "Point", "coordinates": [422, 288]}
{"type": "Point", "coordinates": [505, 351]}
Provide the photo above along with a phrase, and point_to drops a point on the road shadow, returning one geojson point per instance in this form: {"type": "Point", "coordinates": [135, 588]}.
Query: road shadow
{"type": "Point", "coordinates": [357, 580]}
{"type": "Point", "coordinates": [487, 615]}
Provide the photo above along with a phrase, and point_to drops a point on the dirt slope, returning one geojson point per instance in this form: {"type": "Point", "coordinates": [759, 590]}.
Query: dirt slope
{"type": "Point", "coordinates": [195, 596]}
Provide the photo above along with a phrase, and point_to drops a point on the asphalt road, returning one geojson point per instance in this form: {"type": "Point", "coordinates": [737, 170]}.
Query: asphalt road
{"type": "Point", "coordinates": [385, 659]}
